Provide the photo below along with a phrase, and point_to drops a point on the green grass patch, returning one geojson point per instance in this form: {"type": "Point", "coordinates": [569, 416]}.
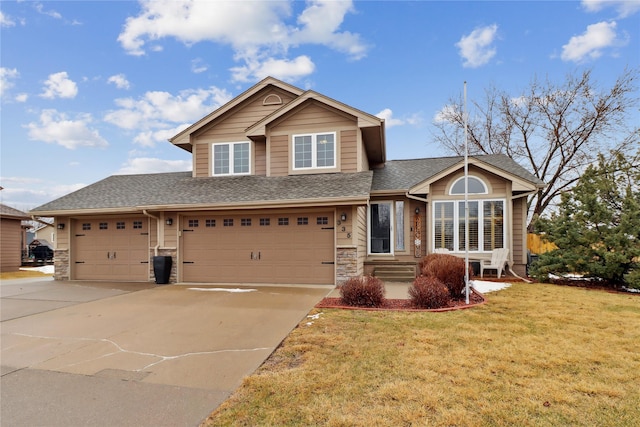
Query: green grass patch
{"type": "Point", "coordinates": [534, 355]}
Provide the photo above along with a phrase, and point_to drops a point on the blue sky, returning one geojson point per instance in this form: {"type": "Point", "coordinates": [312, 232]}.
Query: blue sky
{"type": "Point", "coordinates": [95, 88]}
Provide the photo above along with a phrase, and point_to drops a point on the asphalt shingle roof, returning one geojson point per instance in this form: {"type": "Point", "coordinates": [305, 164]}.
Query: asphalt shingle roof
{"type": "Point", "coordinates": [404, 174]}
{"type": "Point", "coordinates": [9, 212]}
{"type": "Point", "coordinates": [181, 189]}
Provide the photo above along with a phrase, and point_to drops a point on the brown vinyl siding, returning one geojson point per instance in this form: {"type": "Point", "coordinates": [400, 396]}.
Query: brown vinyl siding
{"type": "Point", "coordinates": [313, 118]}
{"type": "Point", "coordinates": [360, 228]}
{"type": "Point", "coordinates": [279, 155]}
{"type": "Point", "coordinates": [349, 151]}
{"type": "Point", "coordinates": [10, 244]}
{"type": "Point", "coordinates": [260, 158]}
{"type": "Point", "coordinates": [202, 159]}
{"type": "Point", "coordinates": [519, 237]}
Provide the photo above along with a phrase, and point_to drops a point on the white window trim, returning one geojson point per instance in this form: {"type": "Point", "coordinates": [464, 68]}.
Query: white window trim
{"type": "Point", "coordinates": [484, 185]}
{"type": "Point", "coordinates": [456, 230]}
{"type": "Point", "coordinates": [231, 159]}
{"type": "Point", "coordinates": [314, 151]}
{"type": "Point", "coordinates": [392, 236]}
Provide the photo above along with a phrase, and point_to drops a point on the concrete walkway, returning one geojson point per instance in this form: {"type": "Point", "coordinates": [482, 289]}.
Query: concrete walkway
{"type": "Point", "coordinates": [113, 354]}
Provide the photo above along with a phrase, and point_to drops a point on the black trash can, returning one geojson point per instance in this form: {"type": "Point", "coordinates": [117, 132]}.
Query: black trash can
{"type": "Point", "coordinates": [162, 269]}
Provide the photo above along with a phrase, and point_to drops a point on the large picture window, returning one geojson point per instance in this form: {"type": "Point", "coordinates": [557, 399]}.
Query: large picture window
{"type": "Point", "coordinates": [486, 225]}
{"type": "Point", "coordinates": [232, 158]}
{"type": "Point", "coordinates": [313, 151]}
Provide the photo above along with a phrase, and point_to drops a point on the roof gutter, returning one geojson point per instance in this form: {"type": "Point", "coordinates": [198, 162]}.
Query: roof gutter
{"type": "Point", "coordinates": [158, 224]}
{"type": "Point", "coordinates": [411, 196]}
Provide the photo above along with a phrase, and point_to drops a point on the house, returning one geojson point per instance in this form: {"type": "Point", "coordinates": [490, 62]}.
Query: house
{"type": "Point", "coordinates": [288, 186]}
{"type": "Point", "coordinates": [12, 238]}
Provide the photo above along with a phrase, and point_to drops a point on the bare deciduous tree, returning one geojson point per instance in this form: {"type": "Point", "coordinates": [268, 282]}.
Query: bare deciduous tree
{"type": "Point", "coordinates": [553, 130]}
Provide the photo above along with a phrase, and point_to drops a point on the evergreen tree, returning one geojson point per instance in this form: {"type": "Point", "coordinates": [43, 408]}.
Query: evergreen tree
{"type": "Point", "coordinates": [597, 226]}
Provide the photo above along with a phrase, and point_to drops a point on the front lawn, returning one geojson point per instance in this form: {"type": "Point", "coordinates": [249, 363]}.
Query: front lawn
{"type": "Point", "coordinates": [534, 355]}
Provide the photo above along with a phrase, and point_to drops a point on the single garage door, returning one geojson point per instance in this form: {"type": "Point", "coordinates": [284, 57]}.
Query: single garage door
{"type": "Point", "coordinates": [111, 249]}
{"type": "Point", "coordinates": [293, 248]}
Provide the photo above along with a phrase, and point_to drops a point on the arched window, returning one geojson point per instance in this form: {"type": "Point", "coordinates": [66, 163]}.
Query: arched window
{"type": "Point", "coordinates": [476, 186]}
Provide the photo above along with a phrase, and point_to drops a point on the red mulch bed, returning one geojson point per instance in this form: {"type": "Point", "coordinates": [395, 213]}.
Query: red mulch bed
{"type": "Point", "coordinates": [475, 299]}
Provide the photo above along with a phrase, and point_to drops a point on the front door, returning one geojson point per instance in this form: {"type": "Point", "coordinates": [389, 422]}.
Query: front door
{"type": "Point", "coordinates": [380, 228]}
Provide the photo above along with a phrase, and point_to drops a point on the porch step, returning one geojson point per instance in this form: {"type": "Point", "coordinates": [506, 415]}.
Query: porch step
{"type": "Point", "coordinates": [395, 273]}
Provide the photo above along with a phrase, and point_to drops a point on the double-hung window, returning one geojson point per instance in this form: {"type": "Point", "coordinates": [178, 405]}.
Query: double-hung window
{"type": "Point", "coordinates": [231, 158]}
{"type": "Point", "coordinates": [316, 150]}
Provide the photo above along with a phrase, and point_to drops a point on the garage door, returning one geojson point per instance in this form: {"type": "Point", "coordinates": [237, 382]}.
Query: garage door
{"type": "Point", "coordinates": [111, 249]}
{"type": "Point", "coordinates": [295, 248]}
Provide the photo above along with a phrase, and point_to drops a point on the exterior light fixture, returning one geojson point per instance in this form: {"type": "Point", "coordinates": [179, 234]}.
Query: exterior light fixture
{"type": "Point", "coordinates": [417, 211]}
{"type": "Point", "coordinates": [169, 221]}
{"type": "Point", "coordinates": [343, 217]}
{"type": "Point", "coordinates": [61, 226]}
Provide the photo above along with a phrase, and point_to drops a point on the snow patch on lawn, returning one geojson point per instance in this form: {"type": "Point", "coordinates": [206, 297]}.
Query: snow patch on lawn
{"type": "Point", "coordinates": [484, 287]}
{"type": "Point", "coordinates": [236, 290]}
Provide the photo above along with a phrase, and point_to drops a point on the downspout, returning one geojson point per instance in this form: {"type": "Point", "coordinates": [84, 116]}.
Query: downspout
{"type": "Point", "coordinates": [159, 224]}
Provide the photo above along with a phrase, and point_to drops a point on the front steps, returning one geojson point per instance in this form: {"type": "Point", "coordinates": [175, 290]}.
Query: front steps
{"type": "Point", "coordinates": [400, 272]}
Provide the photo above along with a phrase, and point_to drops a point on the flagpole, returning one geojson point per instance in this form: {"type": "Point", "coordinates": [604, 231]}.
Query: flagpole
{"type": "Point", "coordinates": [466, 200]}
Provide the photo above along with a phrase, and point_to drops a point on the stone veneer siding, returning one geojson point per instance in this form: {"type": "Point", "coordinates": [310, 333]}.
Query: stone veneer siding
{"type": "Point", "coordinates": [347, 264]}
{"type": "Point", "coordinates": [61, 264]}
{"type": "Point", "coordinates": [173, 253]}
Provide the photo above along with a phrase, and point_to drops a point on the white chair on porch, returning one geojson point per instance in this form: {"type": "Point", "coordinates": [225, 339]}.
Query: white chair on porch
{"type": "Point", "coordinates": [498, 262]}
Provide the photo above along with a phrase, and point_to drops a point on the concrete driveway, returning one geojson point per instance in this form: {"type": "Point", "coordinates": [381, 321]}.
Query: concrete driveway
{"type": "Point", "coordinates": [120, 354]}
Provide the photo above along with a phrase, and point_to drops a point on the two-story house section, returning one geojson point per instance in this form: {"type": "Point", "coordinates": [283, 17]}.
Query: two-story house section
{"type": "Point", "coordinates": [288, 187]}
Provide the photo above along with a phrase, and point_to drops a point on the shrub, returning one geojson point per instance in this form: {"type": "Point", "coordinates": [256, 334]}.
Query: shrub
{"type": "Point", "coordinates": [365, 291]}
{"type": "Point", "coordinates": [429, 292]}
{"type": "Point", "coordinates": [449, 269]}
{"type": "Point", "coordinates": [632, 278]}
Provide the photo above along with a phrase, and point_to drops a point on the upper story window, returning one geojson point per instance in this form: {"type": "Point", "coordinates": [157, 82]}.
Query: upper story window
{"type": "Point", "coordinates": [231, 158]}
{"type": "Point", "coordinates": [316, 150]}
{"type": "Point", "coordinates": [476, 186]}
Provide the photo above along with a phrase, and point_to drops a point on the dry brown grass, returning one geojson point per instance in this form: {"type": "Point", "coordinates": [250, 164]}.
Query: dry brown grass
{"type": "Point", "coordinates": [535, 355]}
{"type": "Point", "coordinates": [21, 274]}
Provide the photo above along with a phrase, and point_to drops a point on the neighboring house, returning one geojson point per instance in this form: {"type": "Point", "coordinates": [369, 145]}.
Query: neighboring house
{"type": "Point", "coordinates": [46, 232]}
{"type": "Point", "coordinates": [288, 186]}
{"type": "Point", "coordinates": [12, 238]}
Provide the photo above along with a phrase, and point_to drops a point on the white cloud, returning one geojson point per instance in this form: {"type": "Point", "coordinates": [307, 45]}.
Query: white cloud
{"type": "Point", "coordinates": [59, 85]}
{"type": "Point", "coordinates": [477, 48]}
{"type": "Point", "coordinates": [265, 37]}
{"type": "Point", "coordinates": [198, 66]}
{"type": "Point", "coordinates": [591, 43]}
{"type": "Point", "coordinates": [446, 114]}
{"type": "Point", "coordinates": [26, 193]}
{"type": "Point", "coordinates": [6, 21]}
{"type": "Point", "coordinates": [390, 121]}
{"type": "Point", "coordinates": [624, 8]}
{"type": "Point", "coordinates": [157, 108]}
{"type": "Point", "coordinates": [22, 97]}
{"type": "Point", "coordinates": [55, 127]}
{"type": "Point", "coordinates": [7, 76]}
{"type": "Point", "coordinates": [142, 165]}
{"type": "Point", "coordinates": [40, 8]}
{"type": "Point", "coordinates": [150, 138]}
{"type": "Point", "coordinates": [282, 69]}
{"type": "Point", "coordinates": [120, 80]}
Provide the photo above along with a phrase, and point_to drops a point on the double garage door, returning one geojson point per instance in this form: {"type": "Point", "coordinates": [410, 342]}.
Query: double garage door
{"type": "Point", "coordinates": [110, 249]}
{"type": "Point", "coordinates": [291, 248]}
